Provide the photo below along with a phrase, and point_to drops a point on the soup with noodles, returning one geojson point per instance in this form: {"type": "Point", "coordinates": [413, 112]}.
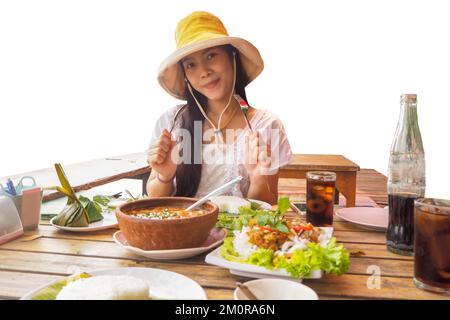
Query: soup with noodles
{"type": "Point", "coordinates": [165, 213]}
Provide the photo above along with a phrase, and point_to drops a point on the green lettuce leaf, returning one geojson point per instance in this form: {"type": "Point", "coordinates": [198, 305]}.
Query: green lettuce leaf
{"type": "Point", "coordinates": [299, 265]}
{"type": "Point", "coordinates": [262, 257]}
{"type": "Point", "coordinates": [272, 218]}
{"type": "Point", "coordinates": [229, 221]}
{"type": "Point", "coordinates": [333, 259]}
{"type": "Point", "coordinates": [227, 251]}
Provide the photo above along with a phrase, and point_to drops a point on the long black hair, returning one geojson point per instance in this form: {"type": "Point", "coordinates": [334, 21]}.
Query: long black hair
{"type": "Point", "coordinates": [188, 175]}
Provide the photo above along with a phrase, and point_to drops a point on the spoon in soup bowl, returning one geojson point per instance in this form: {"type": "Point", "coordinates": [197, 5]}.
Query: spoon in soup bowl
{"type": "Point", "coordinates": [216, 192]}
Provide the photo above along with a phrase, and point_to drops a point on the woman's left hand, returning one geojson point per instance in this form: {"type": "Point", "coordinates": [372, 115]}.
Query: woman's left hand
{"type": "Point", "coordinates": [257, 155]}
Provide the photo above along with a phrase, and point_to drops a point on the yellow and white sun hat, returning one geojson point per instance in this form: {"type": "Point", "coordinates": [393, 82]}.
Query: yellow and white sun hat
{"type": "Point", "coordinates": [197, 31]}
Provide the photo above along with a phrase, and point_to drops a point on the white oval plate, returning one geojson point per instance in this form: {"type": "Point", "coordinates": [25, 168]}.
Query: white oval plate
{"type": "Point", "coordinates": [109, 221]}
{"type": "Point", "coordinates": [215, 238]}
{"type": "Point", "coordinates": [253, 271]}
{"type": "Point", "coordinates": [163, 284]}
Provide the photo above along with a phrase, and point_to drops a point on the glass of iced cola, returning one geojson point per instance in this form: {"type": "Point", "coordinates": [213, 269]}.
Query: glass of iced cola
{"type": "Point", "coordinates": [432, 244]}
{"type": "Point", "coordinates": [320, 188]}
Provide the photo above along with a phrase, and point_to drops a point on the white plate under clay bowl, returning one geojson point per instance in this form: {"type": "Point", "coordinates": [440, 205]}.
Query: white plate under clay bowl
{"type": "Point", "coordinates": [214, 239]}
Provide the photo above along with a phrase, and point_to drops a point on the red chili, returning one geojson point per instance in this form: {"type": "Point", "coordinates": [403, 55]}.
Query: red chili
{"type": "Point", "coordinates": [267, 228]}
{"type": "Point", "coordinates": [298, 228]}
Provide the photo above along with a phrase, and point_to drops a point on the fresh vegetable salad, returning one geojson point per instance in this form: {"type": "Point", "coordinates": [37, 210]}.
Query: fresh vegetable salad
{"type": "Point", "coordinates": [268, 239]}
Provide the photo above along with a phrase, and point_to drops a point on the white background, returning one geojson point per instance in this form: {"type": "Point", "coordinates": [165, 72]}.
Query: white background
{"type": "Point", "coordinates": [78, 78]}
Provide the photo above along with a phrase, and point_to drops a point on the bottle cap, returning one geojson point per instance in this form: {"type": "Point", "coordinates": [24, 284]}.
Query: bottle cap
{"type": "Point", "coordinates": [408, 97]}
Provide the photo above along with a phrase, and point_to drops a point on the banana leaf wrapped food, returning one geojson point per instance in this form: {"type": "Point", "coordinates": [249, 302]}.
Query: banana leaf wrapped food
{"type": "Point", "coordinates": [78, 212]}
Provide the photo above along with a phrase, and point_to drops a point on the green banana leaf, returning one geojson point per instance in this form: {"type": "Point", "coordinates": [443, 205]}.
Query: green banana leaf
{"type": "Point", "coordinates": [93, 209]}
{"type": "Point", "coordinates": [73, 215]}
{"type": "Point", "coordinates": [50, 292]}
{"type": "Point", "coordinates": [77, 212]}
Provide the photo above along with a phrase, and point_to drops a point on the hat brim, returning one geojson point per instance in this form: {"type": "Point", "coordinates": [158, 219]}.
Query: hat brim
{"type": "Point", "coordinates": [171, 77]}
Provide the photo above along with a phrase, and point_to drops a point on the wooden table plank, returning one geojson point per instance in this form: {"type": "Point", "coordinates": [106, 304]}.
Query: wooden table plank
{"type": "Point", "coordinates": [111, 250]}
{"type": "Point", "coordinates": [25, 265]}
{"type": "Point", "coordinates": [58, 264]}
{"type": "Point", "coordinates": [311, 162]}
{"type": "Point", "coordinates": [106, 235]}
{"type": "Point", "coordinates": [14, 285]}
{"type": "Point", "coordinates": [357, 286]}
{"type": "Point", "coordinates": [351, 285]}
{"type": "Point", "coordinates": [61, 264]}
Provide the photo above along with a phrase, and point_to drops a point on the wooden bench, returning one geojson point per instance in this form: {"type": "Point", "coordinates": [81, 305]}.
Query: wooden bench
{"type": "Point", "coordinates": [345, 172]}
{"type": "Point", "coordinates": [89, 174]}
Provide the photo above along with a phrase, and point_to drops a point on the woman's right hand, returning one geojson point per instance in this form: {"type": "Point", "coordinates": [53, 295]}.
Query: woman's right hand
{"type": "Point", "coordinates": [159, 156]}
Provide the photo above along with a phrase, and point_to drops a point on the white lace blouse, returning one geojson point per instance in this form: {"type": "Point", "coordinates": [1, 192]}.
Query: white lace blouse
{"type": "Point", "coordinates": [222, 164]}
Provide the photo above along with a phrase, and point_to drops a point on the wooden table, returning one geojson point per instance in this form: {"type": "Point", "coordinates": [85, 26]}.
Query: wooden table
{"type": "Point", "coordinates": [48, 254]}
{"type": "Point", "coordinates": [345, 171]}
{"type": "Point", "coordinates": [89, 174]}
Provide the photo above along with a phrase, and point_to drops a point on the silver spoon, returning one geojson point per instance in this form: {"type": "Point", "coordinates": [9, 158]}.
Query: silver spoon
{"type": "Point", "coordinates": [216, 192]}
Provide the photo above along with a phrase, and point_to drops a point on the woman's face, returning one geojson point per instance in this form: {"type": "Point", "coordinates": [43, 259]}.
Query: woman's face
{"type": "Point", "coordinates": [210, 72]}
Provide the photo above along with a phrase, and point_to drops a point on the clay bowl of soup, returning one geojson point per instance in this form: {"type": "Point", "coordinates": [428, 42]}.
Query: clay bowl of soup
{"type": "Point", "coordinates": [164, 224]}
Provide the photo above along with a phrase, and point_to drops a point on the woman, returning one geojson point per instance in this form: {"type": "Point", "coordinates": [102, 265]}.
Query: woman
{"type": "Point", "coordinates": [198, 146]}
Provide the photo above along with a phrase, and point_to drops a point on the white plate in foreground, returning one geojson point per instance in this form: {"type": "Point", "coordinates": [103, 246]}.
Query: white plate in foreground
{"type": "Point", "coordinates": [109, 221]}
{"type": "Point", "coordinates": [252, 271]}
{"type": "Point", "coordinates": [163, 284]}
{"type": "Point", "coordinates": [214, 239]}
